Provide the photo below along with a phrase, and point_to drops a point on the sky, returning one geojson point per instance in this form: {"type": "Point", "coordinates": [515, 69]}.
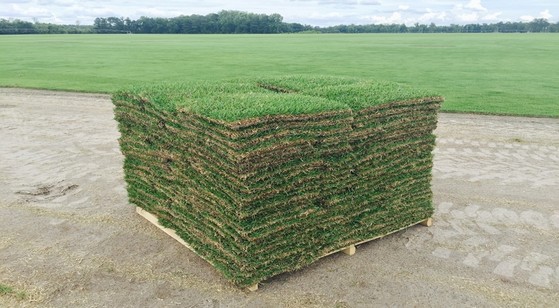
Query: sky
{"type": "Point", "coordinates": [311, 12]}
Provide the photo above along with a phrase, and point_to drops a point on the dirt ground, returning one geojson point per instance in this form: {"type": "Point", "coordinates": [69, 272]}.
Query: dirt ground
{"type": "Point", "coordinates": [69, 237]}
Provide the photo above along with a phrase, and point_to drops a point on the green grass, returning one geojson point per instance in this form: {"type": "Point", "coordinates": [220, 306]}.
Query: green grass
{"type": "Point", "coordinates": [487, 73]}
{"type": "Point", "coordinates": [258, 97]}
{"type": "Point", "coordinates": [6, 290]}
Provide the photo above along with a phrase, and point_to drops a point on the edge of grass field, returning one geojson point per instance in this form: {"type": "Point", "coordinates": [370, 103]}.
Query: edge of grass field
{"type": "Point", "coordinates": [54, 89]}
{"type": "Point", "coordinates": [443, 110]}
{"type": "Point", "coordinates": [502, 114]}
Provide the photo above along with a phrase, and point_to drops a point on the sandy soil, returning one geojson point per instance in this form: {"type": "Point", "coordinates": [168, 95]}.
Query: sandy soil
{"type": "Point", "coordinates": [69, 237]}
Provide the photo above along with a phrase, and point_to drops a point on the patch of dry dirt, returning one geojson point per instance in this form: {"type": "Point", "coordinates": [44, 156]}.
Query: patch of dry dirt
{"type": "Point", "coordinates": [69, 237]}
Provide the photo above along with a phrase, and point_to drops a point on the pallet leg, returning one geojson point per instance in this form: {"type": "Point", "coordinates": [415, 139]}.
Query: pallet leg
{"type": "Point", "coordinates": [253, 288]}
{"type": "Point", "coordinates": [350, 250]}
{"type": "Point", "coordinates": [427, 222]}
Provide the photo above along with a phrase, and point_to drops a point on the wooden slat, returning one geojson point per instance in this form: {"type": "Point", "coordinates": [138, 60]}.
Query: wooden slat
{"type": "Point", "coordinates": [154, 220]}
{"type": "Point", "coordinates": [253, 288]}
{"type": "Point", "coordinates": [427, 222]}
{"type": "Point", "coordinates": [349, 250]}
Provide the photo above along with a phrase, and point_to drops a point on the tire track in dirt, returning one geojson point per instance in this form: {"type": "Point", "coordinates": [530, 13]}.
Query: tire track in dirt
{"type": "Point", "coordinates": [498, 209]}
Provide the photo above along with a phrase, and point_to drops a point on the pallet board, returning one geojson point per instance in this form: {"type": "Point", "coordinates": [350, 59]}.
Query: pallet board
{"type": "Point", "coordinates": [349, 250]}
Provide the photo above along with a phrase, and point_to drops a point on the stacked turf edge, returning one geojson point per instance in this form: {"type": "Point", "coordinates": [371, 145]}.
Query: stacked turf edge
{"type": "Point", "coordinates": [264, 176]}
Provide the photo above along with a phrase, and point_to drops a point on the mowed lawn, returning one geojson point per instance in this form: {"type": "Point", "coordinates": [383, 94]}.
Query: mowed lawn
{"type": "Point", "coordinates": [489, 73]}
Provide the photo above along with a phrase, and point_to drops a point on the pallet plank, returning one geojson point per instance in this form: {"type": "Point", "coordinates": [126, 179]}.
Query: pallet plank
{"type": "Point", "coordinates": [427, 222]}
{"type": "Point", "coordinates": [349, 250]}
{"type": "Point", "coordinates": [154, 220]}
{"type": "Point", "coordinates": [253, 288]}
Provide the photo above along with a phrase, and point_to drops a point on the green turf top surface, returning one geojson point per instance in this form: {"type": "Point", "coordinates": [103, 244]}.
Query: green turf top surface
{"type": "Point", "coordinates": [291, 95]}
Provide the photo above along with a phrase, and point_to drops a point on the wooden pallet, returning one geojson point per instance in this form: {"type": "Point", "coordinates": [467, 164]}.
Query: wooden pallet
{"type": "Point", "coordinates": [349, 250]}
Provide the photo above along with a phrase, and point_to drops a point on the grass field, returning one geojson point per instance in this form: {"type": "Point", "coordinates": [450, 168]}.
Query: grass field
{"type": "Point", "coordinates": [488, 73]}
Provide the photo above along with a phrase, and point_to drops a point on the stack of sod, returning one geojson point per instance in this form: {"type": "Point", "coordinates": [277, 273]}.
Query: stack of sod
{"type": "Point", "coordinates": [265, 176]}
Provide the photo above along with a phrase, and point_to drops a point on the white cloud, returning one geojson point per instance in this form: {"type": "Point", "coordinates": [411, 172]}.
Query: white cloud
{"type": "Point", "coordinates": [318, 18]}
{"type": "Point", "coordinates": [432, 16]}
{"type": "Point", "coordinates": [403, 7]}
{"type": "Point", "coordinates": [492, 17]}
{"type": "Point", "coordinates": [57, 2]}
{"type": "Point", "coordinates": [545, 14]}
{"type": "Point", "coordinates": [475, 5]}
{"type": "Point", "coordinates": [468, 17]}
{"type": "Point", "coordinates": [341, 2]}
{"type": "Point", "coordinates": [34, 12]}
{"type": "Point", "coordinates": [369, 2]}
{"type": "Point", "coordinates": [471, 12]}
{"type": "Point", "coordinates": [394, 18]}
{"type": "Point", "coordinates": [158, 12]}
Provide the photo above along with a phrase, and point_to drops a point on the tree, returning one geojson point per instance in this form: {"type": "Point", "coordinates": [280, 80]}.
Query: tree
{"type": "Point", "coordinates": [538, 25]}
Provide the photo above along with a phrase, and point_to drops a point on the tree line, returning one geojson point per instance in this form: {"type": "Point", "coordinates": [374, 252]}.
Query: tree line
{"type": "Point", "coordinates": [25, 27]}
{"type": "Point", "coordinates": [231, 22]}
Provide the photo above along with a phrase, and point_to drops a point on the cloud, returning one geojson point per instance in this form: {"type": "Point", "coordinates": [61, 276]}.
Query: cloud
{"type": "Point", "coordinates": [471, 12]}
{"type": "Point", "coordinates": [432, 16]}
{"type": "Point", "coordinates": [34, 12]}
{"type": "Point", "coordinates": [468, 17]}
{"type": "Point", "coordinates": [332, 18]}
{"type": "Point", "coordinates": [492, 17]}
{"type": "Point", "coordinates": [545, 14]}
{"type": "Point", "coordinates": [394, 18]}
{"type": "Point", "coordinates": [341, 2]}
{"type": "Point", "coordinates": [369, 2]}
{"type": "Point", "coordinates": [155, 12]}
{"type": "Point", "coordinates": [56, 2]}
{"type": "Point", "coordinates": [441, 12]}
{"type": "Point", "coordinates": [475, 5]}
